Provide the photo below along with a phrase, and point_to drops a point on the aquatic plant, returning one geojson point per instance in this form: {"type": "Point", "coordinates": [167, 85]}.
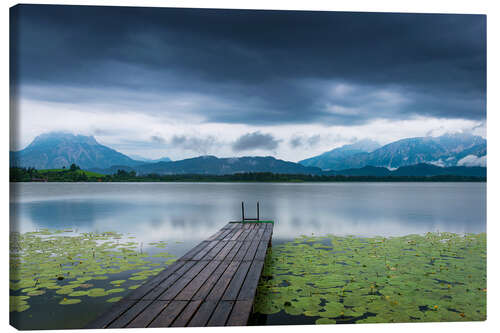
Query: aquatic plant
{"type": "Point", "coordinates": [65, 264]}
{"type": "Point", "coordinates": [332, 279]}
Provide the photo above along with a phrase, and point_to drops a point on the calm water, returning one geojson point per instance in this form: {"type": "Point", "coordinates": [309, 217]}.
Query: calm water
{"type": "Point", "coordinates": [190, 212]}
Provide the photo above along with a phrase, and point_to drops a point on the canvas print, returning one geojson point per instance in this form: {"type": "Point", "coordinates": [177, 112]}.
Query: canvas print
{"type": "Point", "coordinates": [212, 167]}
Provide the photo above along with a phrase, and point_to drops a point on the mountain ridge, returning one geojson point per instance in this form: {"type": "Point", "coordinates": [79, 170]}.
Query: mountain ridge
{"type": "Point", "coordinates": [218, 166]}
{"type": "Point", "coordinates": [446, 150]}
{"type": "Point", "coordinates": [60, 149]}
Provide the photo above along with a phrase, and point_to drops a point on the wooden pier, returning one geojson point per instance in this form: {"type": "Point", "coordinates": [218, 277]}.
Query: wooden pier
{"type": "Point", "coordinates": [214, 284]}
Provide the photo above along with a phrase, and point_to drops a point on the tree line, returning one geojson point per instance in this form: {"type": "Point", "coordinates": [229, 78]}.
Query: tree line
{"type": "Point", "coordinates": [75, 174]}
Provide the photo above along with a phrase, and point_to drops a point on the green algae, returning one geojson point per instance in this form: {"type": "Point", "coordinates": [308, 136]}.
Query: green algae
{"type": "Point", "coordinates": [432, 277]}
{"type": "Point", "coordinates": [64, 263]}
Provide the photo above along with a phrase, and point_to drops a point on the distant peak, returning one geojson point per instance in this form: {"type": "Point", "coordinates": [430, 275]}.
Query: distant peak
{"type": "Point", "coordinates": [50, 135]}
{"type": "Point", "coordinates": [456, 135]}
{"type": "Point", "coordinates": [63, 136]}
{"type": "Point", "coordinates": [366, 145]}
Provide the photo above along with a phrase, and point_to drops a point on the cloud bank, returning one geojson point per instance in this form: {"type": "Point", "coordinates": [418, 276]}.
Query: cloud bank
{"type": "Point", "coordinates": [180, 82]}
{"type": "Point", "coordinates": [255, 140]}
{"type": "Point", "coordinates": [472, 160]}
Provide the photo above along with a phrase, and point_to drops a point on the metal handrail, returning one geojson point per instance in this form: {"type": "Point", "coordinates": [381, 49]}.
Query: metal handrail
{"type": "Point", "coordinates": [243, 219]}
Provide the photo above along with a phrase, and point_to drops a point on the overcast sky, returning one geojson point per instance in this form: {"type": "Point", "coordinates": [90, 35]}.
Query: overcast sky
{"type": "Point", "coordinates": [185, 82]}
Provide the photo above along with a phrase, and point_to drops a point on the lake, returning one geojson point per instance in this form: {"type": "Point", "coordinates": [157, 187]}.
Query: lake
{"type": "Point", "coordinates": [183, 214]}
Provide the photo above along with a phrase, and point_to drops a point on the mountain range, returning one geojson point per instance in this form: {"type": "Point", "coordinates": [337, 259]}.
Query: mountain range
{"type": "Point", "coordinates": [334, 159]}
{"type": "Point", "coordinates": [417, 170]}
{"type": "Point", "coordinates": [211, 165]}
{"type": "Point", "coordinates": [149, 160]}
{"type": "Point", "coordinates": [445, 151]}
{"type": "Point", "coordinates": [455, 154]}
{"type": "Point", "coordinates": [56, 150]}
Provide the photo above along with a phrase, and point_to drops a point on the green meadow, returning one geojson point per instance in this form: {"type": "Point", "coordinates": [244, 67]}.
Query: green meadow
{"type": "Point", "coordinates": [79, 171]}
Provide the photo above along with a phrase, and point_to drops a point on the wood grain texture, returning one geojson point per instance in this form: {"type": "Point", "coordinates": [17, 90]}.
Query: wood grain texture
{"type": "Point", "coordinates": [213, 284]}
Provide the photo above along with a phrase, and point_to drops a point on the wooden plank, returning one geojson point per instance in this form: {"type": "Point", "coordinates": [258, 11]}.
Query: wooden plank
{"type": "Point", "coordinates": [245, 235]}
{"type": "Point", "coordinates": [116, 310]}
{"type": "Point", "coordinates": [240, 313]}
{"type": "Point", "coordinates": [159, 289]}
{"type": "Point", "coordinates": [228, 226]}
{"type": "Point", "coordinates": [252, 249]}
{"type": "Point", "coordinates": [210, 282]}
{"type": "Point", "coordinates": [213, 284]}
{"type": "Point", "coordinates": [192, 287]}
{"type": "Point", "coordinates": [169, 314]}
{"type": "Point", "coordinates": [234, 286]}
{"type": "Point", "coordinates": [214, 236]}
{"type": "Point", "coordinates": [214, 251]}
{"type": "Point", "coordinates": [186, 314]}
{"type": "Point", "coordinates": [231, 234]}
{"type": "Point", "coordinates": [129, 315]}
{"type": "Point", "coordinates": [232, 252]}
{"type": "Point", "coordinates": [242, 251]}
{"type": "Point", "coordinates": [237, 234]}
{"type": "Point", "coordinates": [221, 285]}
{"type": "Point", "coordinates": [249, 286]}
{"type": "Point", "coordinates": [224, 234]}
{"type": "Point", "coordinates": [221, 313]}
{"type": "Point", "coordinates": [267, 234]}
{"type": "Point", "coordinates": [203, 314]}
{"type": "Point", "coordinates": [225, 251]}
{"type": "Point", "coordinates": [191, 253]}
{"type": "Point", "coordinates": [178, 285]}
{"type": "Point", "coordinates": [148, 315]}
{"type": "Point", "coordinates": [260, 231]}
{"type": "Point", "coordinates": [262, 250]}
{"type": "Point", "coordinates": [234, 228]}
{"type": "Point", "coordinates": [205, 250]}
{"type": "Point", "coordinates": [155, 281]}
{"type": "Point", "coordinates": [253, 232]}
{"type": "Point", "coordinates": [217, 234]}
{"type": "Point", "coordinates": [233, 225]}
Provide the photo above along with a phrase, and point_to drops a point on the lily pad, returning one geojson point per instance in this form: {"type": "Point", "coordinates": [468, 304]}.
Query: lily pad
{"type": "Point", "coordinates": [113, 299]}
{"type": "Point", "coordinates": [395, 279]}
{"type": "Point", "coordinates": [69, 301]}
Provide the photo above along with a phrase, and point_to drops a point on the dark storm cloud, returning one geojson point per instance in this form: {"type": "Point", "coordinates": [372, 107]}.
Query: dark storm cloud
{"type": "Point", "coordinates": [257, 67]}
{"type": "Point", "coordinates": [300, 141]}
{"type": "Point", "coordinates": [296, 142]}
{"type": "Point", "coordinates": [255, 140]}
{"type": "Point", "coordinates": [196, 144]}
{"type": "Point", "coordinates": [157, 139]}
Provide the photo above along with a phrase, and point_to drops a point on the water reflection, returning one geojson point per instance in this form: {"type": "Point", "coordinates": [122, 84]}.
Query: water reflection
{"type": "Point", "coordinates": [191, 212]}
